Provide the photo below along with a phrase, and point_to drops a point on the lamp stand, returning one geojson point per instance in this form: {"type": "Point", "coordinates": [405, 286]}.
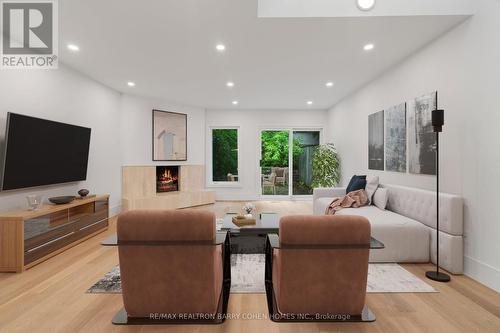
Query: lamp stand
{"type": "Point", "coordinates": [437, 123]}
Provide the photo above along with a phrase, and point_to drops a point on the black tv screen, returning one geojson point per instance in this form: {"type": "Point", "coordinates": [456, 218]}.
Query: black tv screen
{"type": "Point", "coordinates": [43, 152]}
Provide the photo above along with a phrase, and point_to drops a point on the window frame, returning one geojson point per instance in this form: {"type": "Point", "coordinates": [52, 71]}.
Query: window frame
{"type": "Point", "coordinates": [210, 181]}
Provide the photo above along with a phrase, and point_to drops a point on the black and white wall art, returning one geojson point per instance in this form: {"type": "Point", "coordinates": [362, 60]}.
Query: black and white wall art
{"type": "Point", "coordinates": [376, 141]}
{"type": "Point", "coordinates": [395, 138]}
{"type": "Point", "coordinates": [421, 138]}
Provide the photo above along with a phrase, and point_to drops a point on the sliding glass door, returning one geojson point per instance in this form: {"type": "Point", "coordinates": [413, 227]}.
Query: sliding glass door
{"type": "Point", "coordinates": [304, 143]}
{"type": "Point", "coordinates": [274, 162]}
{"type": "Point", "coordinates": [286, 161]}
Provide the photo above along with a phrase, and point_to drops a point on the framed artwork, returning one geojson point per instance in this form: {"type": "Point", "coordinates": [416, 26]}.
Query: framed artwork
{"type": "Point", "coordinates": [395, 138]}
{"type": "Point", "coordinates": [376, 141]}
{"type": "Point", "coordinates": [421, 138]}
{"type": "Point", "coordinates": [169, 136]}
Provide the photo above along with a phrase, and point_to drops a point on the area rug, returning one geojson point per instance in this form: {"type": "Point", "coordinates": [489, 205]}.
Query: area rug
{"type": "Point", "coordinates": [247, 276]}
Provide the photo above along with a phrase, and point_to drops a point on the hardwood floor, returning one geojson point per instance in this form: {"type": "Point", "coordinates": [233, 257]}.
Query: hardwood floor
{"type": "Point", "coordinates": [51, 297]}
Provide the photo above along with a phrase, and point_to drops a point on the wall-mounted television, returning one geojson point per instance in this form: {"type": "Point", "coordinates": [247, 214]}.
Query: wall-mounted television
{"type": "Point", "coordinates": [42, 152]}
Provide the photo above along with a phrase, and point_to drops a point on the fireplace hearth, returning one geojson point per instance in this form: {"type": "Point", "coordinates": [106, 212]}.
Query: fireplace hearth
{"type": "Point", "coordinates": [167, 179]}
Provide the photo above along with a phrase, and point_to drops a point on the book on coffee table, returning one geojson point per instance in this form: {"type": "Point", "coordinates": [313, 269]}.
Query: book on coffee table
{"type": "Point", "coordinates": [242, 220]}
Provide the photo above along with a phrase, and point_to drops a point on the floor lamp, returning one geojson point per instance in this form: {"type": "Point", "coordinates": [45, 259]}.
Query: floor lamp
{"type": "Point", "coordinates": [437, 124]}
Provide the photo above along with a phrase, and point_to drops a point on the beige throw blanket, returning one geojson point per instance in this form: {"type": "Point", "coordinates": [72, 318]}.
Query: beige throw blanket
{"type": "Point", "coordinates": [353, 199]}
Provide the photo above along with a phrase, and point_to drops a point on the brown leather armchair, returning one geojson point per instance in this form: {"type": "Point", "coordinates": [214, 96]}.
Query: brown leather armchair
{"type": "Point", "coordinates": [174, 267]}
{"type": "Point", "coordinates": [317, 269]}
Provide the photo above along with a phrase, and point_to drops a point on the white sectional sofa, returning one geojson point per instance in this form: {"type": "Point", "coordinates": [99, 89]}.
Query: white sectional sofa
{"type": "Point", "coordinates": [408, 225]}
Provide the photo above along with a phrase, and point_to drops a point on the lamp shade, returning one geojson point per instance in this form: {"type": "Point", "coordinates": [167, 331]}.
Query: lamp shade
{"type": "Point", "coordinates": [438, 120]}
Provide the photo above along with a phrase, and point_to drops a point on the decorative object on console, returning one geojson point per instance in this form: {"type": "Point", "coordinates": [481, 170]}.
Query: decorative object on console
{"type": "Point", "coordinates": [356, 183]}
{"type": "Point", "coordinates": [421, 139]}
{"type": "Point", "coordinates": [326, 166]}
{"type": "Point", "coordinates": [62, 200]}
{"type": "Point", "coordinates": [437, 125]}
{"type": "Point", "coordinates": [83, 192]}
{"type": "Point", "coordinates": [34, 201]}
{"type": "Point", "coordinates": [395, 138]}
{"type": "Point", "coordinates": [249, 208]}
{"type": "Point", "coordinates": [376, 141]}
{"type": "Point", "coordinates": [167, 179]}
{"type": "Point", "coordinates": [169, 136]}
{"type": "Point", "coordinates": [380, 198]}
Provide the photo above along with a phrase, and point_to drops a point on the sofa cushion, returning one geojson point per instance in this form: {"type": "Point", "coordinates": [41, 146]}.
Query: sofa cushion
{"type": "Point", "coordinates": [421, 205]}
{"type": "Point", "coordinates": [356, 183]}
{"type": "Point", "coordinates": [321, 204]}
{"type": "Point", "coordinates": [371, 187]}
{"type": "Point", "coordinates": [405, 240]}
{"type": "Point", "coordinates": [380, 198]}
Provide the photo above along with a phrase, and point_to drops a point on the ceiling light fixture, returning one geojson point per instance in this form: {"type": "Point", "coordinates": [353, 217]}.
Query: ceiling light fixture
{"type": "Point", "coordinates": [368, 47]}
{"type": "Point", "coordinates": [131, 84]}
{"type": "Point", "coordinates": [230, 84]}
{"type": "Point", "coordinates": [235, 102]}
{"type": "Point", "coordinates": [309, 102]}
{"type": "Point", "coordinates": [365, 5]}
{"type": "Point", "coordinates": [329, 84]}
{"type": "Point", "coordinates": [73, 47]}
{"type": "Point", "coordinates": [220, 47]}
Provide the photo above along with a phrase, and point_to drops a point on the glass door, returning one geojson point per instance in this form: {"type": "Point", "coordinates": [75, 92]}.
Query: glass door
{"type": "Point", "coordinates": [274, 162]}
{"type": "Point", "coordinates": [304, 143]}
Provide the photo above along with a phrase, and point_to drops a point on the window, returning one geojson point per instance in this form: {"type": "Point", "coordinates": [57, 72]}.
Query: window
{"type": "Point", "coordinates": [224, 155]}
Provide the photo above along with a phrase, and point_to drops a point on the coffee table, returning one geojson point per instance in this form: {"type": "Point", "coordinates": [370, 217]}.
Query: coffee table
{"type": "Point", "coordinates": [251, 238]}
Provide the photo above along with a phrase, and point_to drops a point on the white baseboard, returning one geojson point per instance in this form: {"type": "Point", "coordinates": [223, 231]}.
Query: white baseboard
{"type": "Point", "coordinates": [115, 210]}
{"type": "Point", "coordinates": [482, 272]}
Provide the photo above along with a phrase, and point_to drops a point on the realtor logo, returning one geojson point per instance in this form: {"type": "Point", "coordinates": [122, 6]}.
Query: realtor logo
{"type": "Point", "coordinates": [29, 38]}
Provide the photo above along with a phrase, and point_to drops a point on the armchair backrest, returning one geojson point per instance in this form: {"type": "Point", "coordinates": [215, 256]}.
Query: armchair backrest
{"type": "Point", "coordinates": [322, 265]}
{"type": "Point", "coordinates": [166, 265]}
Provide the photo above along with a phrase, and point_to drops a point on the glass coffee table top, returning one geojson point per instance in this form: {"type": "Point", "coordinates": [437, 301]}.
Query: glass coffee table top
{"type": "Point", "coordinates": [269, 222]}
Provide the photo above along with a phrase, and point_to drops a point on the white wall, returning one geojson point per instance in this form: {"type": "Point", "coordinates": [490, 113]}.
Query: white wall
{"type": "Point", "coordinates": [463, 67]}
{"type": "Point", "coordinates": [67, 96]}
{"type": "Point", "coordinates": [121, 127]}
{"type": "Point", "coordinates": [136, 127]}
{"type": "Point", "coordinates": [250, 122]}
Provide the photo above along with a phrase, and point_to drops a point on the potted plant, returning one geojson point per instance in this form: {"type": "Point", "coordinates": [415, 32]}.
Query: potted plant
{"type": "Point", "coordinates": [326, 166]}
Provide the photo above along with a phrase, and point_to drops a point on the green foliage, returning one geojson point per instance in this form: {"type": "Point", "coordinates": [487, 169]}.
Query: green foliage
{"type": "Point", "coordinates": [326, 166]}
{"type": "Point", "coordinates": [225, 153]}
{"type": "Point", "coordinates": [275, 148]}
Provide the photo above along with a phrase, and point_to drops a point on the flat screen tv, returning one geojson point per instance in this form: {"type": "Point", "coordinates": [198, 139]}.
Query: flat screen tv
{"type": "Point", "coordinates": [43, 152]}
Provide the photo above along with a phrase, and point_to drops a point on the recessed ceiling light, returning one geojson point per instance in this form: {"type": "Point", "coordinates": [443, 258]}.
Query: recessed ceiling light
{"type": "Point", "coordinates": [131, 84]}
{"type": "Point", "coordinates": [365, 4]}
{"type": "Point", "coordinates": [368, 47]}
{"type": "Point", "coordinates": [309, 102]}
{"type": "Point", "coordinates": [235, 102]}
{"type": "Point", "coordinates": [220, 47]}
{"type": "Point", "coordinates": [73, 47]}
{"type": "Point", "coordinates": [230, 84]}
{"type": "Point", "coordinates": [329, 84]}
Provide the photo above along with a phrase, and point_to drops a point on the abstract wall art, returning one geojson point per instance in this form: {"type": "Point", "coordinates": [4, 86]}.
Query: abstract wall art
{"type": "Point", "coordinates": [376, 141]}
{"type": "Point", "coordinates": [395, 138]}
{"type": "Point", "coordinates": [421, 138]}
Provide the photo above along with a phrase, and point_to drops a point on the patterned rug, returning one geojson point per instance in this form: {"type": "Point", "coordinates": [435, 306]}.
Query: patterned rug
{"type": "Point", "coordinates": [247, 276]}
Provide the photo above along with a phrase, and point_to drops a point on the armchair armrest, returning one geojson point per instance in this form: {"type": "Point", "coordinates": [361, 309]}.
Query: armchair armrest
{"type": "Point", "coordinates": [328, 192]}
{"type": "Point", "coordinates": [221, 238]}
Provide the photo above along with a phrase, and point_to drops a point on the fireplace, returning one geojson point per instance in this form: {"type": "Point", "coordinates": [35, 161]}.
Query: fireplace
{"type": "Point", "coordinates": [167, 179]}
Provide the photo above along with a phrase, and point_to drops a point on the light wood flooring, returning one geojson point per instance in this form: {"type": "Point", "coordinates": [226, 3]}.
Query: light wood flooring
{"type": "Point", "coordinates": [51, 297]}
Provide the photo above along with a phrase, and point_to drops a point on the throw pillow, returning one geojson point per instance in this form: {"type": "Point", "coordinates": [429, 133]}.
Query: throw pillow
{"type": "Point", "coordinates": [371, 187]}
{"type": "Point", "coordinates": [353, 181]}
{"type": "Point", "coordinates": [358, 184]}
{"type": "Point", "coordinates": [381, 197]}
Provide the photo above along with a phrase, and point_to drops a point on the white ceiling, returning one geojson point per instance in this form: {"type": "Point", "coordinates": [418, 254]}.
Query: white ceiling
{"type": "Point", "coordinates": [167, 48]}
